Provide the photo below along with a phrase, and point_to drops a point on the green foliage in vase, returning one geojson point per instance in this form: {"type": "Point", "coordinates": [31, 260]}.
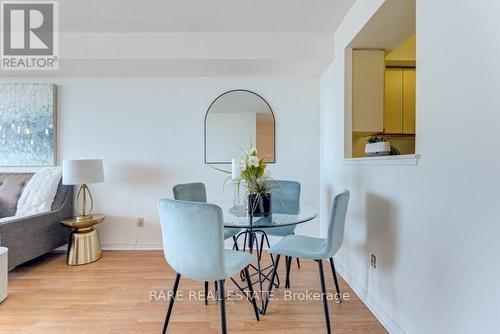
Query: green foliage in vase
{"type": "Point", "coordinates": [254, 174]}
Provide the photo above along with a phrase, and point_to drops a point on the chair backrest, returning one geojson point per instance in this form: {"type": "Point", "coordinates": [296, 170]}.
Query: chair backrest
{"type": "Point", "coordinates": [285, 196]}
{"type": "Point", "coordinates": [191, 192]}
{"type": "Point", "coordinates": [193, 238]}
{"type": "Point", "coordinates": [337, 223]}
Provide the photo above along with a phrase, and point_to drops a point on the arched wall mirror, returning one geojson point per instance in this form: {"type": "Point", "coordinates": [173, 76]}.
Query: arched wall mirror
{"type": "Point", "coordinates": [235, 120]}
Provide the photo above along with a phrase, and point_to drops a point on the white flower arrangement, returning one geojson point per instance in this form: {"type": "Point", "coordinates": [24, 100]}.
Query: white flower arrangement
{"type": "Point", "coordinates": [253, 173]}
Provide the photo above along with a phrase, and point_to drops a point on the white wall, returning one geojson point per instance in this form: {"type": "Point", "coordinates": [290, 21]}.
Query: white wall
{"type": "Point", "coordinates": [434, 227]}
{"type": "Point", "coordinates": [149, 131]}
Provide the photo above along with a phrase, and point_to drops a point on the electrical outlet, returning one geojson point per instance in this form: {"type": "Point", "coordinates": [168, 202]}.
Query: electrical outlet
{"type": "Point", "coordinates": [140, 222]}
{"type": "Point", "coordinates": [373, 261]}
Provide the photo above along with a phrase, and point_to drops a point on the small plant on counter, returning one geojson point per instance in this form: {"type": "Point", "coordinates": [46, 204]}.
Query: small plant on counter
{"type": "Point", "coordinates": [377, 145]}
{"type": "Point", "coordinates": [376, 139]}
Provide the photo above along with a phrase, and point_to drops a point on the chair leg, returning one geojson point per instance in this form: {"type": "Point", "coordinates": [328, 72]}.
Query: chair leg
{"type": "Point", "coordinates": [252, 295]}
{"type": "Point", "coordinates": [206, 293]}
{"type": "Point", "coordinates": [171, 304]}
{"type": "Point", "coordinates": [288, 265]}
{"type": "Point", "coordinates": [276, 262]}
{"type": "Point", "coordinates": [335, 279]}
{"type": "Point", "coordinates": [222, 307]}
{"type": "Point", "coordinates": [216, 291]}
{"type": "Point", "coordinates": [272, 259]}
{"type": "Point", "coordinates": [324, 296]}
{"type": "Point", "coordinates": [298, 261]}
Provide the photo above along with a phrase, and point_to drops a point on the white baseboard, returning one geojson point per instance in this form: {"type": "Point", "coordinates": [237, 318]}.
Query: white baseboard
{"type": "Point", "coordinates": [151, 246]}
{"type": "Point", "coordinates": [61, 249]}
{"type": "Point", "coordinates": [382, 316]}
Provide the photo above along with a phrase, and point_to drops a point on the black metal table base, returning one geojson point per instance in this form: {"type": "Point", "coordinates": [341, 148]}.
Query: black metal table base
{"type": "Point", "coordinates": [251, 242]}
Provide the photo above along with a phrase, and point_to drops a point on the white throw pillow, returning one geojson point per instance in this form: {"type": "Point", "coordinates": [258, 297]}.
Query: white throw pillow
{"type": "Point", "coordinates": [39, 192]}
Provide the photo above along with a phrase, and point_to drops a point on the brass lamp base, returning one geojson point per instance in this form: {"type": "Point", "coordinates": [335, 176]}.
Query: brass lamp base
{"type": "Point", "coordinates": [84, 217]}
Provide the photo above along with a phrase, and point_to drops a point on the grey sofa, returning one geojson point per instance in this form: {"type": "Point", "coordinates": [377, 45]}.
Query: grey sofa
{"type": "Point", "coordinates": [29, 237]}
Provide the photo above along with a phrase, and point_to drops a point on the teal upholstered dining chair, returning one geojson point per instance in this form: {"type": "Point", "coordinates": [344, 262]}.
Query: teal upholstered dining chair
{"type": "Point", "coordinates": [285, 198]}
{"type": "Point", "coordinates": [193, 245]}
{"type": "Point", "coordinates": [196, 192]}
{"type": "Point", "coordinates": [316, 248]}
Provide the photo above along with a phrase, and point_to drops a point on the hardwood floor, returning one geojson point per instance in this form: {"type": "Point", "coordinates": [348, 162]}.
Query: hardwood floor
{"type": "Point", "coordinates": [113, 296]}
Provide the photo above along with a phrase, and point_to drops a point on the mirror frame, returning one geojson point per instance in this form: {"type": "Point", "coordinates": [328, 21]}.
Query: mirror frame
{"type": "Point", "coordinates": [205, 126]}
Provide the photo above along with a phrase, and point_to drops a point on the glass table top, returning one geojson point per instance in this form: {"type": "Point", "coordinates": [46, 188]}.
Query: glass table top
{"type": "Point", "coordinates": [241, 219]}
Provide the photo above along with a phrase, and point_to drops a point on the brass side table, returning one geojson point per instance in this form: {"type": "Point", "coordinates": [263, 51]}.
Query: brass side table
{"type": "Point", "coordinates": [84, 245]}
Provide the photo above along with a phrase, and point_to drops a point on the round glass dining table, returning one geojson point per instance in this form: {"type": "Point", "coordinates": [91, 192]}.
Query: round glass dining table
{"type": "Point", "coordinates": [251, 228]}
{"type": "Point", "coordinates": [241, 219]}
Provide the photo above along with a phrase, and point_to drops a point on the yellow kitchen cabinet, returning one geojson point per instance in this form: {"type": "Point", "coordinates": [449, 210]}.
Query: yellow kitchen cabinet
{"type": "Point", "coordinates": [409, 100]}
{"type": "Point", "coordinates": [368, 68]}
{"type": "Point", "coordinates": [399, 100]}
{"type": "Point", "coordinates": [393, 100]}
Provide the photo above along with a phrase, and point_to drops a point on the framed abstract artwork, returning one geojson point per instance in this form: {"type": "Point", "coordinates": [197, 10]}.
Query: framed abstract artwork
{"type": "Point", "coordinates": [27, 124]}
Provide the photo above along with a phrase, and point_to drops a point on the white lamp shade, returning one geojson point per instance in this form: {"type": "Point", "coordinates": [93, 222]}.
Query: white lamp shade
{"type": "Point", "coordinates": [82, 171]}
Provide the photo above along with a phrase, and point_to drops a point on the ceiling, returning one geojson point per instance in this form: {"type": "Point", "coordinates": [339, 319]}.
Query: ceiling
{"type": "Point", "coordinates": [202, 15]}
{"type": "Point", "coordinates": [195, 37]}
{"type": "Point", "coordinates": [392, 24]}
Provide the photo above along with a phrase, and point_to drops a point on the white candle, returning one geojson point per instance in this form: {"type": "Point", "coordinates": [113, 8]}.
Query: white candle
{"type": "Point", "coordinates": [235, 170]}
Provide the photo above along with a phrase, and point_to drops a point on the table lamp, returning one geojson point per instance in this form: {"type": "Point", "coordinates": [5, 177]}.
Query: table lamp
{"type": "Point", "coordinates": [83, 172]}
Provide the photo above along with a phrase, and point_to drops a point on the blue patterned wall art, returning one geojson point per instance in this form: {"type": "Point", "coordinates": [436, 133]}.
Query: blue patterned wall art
{"type": "Point", "coordinates": [27, 124]}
